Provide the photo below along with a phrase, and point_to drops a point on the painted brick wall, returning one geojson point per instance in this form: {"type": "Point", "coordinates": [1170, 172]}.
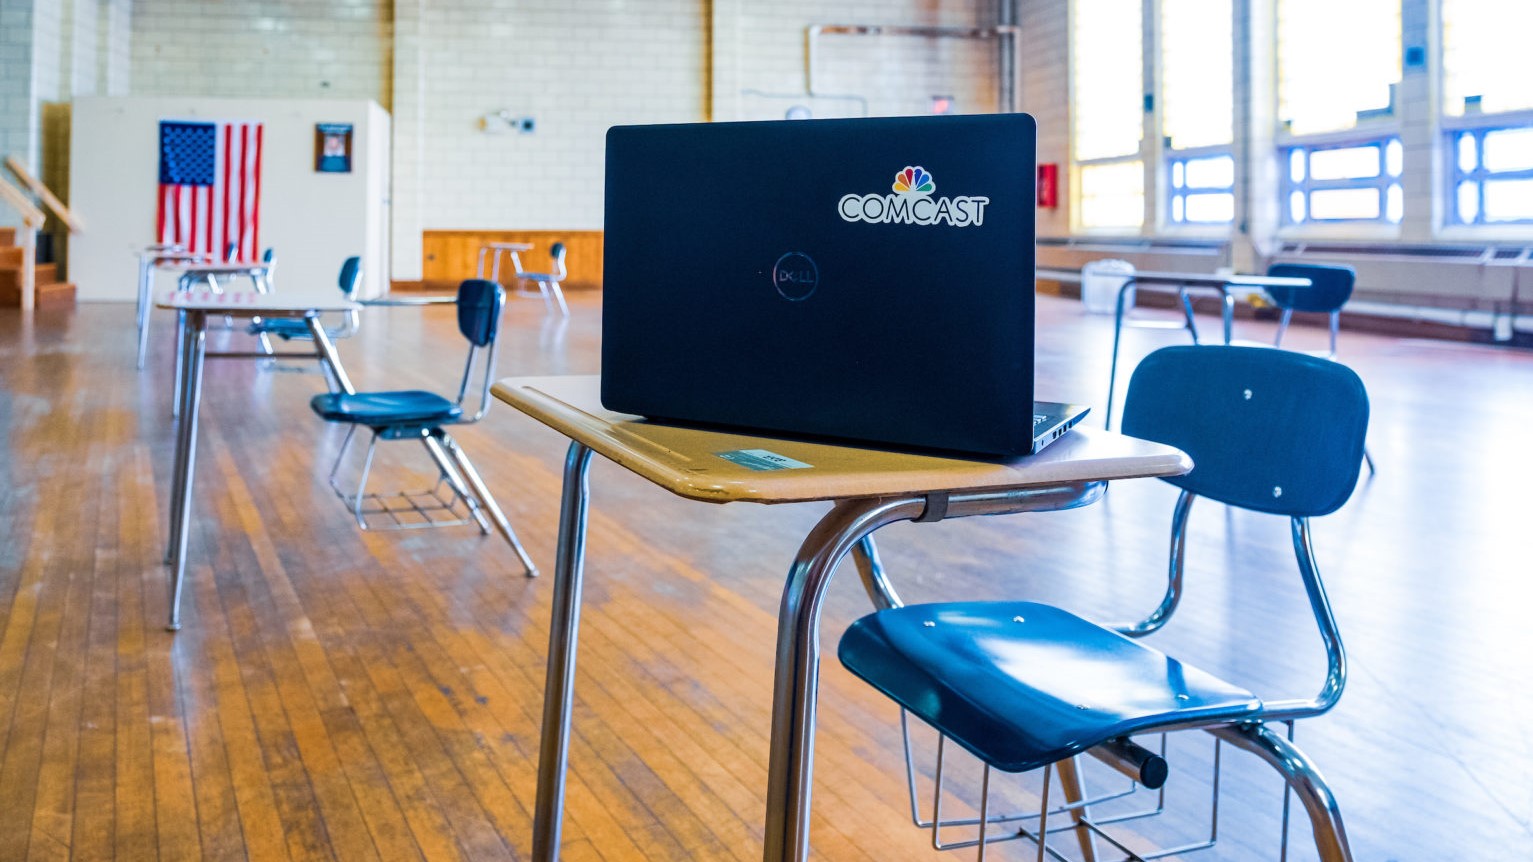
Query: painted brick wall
{"type": "Point", "coordinates": [16, 103]}
{"type": "Point", "coordinates": [576, 67]}
{"type": "Point", "coordinates": [263, 48]}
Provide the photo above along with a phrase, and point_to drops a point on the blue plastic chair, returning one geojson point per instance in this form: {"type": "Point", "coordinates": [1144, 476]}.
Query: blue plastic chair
{"type": "Point", "coordinates": [548, 283]}
{"type": "Point", "coordinates": [1330, 290]}
{"type": "Point", "coordinates": [1023, 685]}
{"type": "Point", "coordinates": [425, 416]}
{"type": "Point", "coordinates": [290, 328]}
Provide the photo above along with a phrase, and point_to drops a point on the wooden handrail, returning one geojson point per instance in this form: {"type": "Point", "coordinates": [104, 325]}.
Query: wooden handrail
{"type": "Point", "coordinates": [69, 219]}
{"type": "Point", "coordinates": [31, 216]}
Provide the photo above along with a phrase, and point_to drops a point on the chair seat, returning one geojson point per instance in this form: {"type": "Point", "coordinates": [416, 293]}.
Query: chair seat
{"type": "Point", "coordinates": [286, 328]}
{"type": "Point", "coordinates": [381, 409]}
{"type": "Point", "coordinates": [1021, 685]}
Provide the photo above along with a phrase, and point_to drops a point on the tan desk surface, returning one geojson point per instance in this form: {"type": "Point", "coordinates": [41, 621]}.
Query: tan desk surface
{"type": "Point", "coordinates": [251, 304]}
{"type": "Point", "coordinates": [686, 461]}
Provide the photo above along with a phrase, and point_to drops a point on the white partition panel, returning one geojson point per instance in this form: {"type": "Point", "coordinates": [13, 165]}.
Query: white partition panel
{"type": "Point", "coordinates": [313, 220]}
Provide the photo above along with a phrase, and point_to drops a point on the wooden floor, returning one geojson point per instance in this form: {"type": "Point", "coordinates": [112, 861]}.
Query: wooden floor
{"type": "Point", "coordinates": [377, 696]}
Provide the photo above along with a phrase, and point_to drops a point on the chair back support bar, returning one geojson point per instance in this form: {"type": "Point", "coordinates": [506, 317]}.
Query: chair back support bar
{"type": "Point", "coordinates": [480, 303]}
{"type": "Point", "coordinates": [1267, 430]}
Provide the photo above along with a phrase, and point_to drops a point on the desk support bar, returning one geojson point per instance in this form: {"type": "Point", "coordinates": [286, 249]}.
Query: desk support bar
{"type": "Point", "coordinates": [795, 691]}
{"type": "Point", "coordinates": [564, 630]}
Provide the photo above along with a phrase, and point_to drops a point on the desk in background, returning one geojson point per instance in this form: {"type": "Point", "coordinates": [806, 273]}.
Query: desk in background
{"type": "Point", "coordinates": [193, 307]}
{"type": "Point", "coordinates": [1226, 285]}
{"type": "Point", "coordinates": [870, 488]}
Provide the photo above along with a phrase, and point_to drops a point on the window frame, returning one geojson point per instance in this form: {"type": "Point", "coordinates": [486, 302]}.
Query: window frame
{"type": "Point", "coordinates": [1477, 125]}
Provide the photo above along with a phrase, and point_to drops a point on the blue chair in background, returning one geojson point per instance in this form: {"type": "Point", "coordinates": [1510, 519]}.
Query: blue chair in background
{"type": "Point", "coordinates": [1022, 685]}
{"type": "Point", "coordinates": [1330, 290]}
{"type": "Point", "coordinates": [425, 416]}
{"type": "Point", "coordinates": [297, 329]}
{"type": "Point", "coordinates": [548, 283]}
{"type": "Point", "coordinates": [1332, 287]}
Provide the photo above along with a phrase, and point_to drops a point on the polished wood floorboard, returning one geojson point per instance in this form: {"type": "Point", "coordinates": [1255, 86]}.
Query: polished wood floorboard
{"type": "Point", "coordinates": [348, 695]}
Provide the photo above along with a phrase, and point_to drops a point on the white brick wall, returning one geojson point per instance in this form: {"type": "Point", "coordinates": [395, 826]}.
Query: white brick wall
{"type": "Point", "coordinates": [262, 48]}
{"type": "Point", "coordinates": [17, 124]}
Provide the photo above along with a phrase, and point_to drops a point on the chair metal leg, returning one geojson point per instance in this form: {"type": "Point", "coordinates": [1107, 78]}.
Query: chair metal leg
{"type": "Point", "coordinates": [558, 294]}
{"type": "Point", "coordinates": [1192, 324]}
{"type": "Point", "coordinates": [485, 498]}
{"type": "Point", "coordinates": [145, 277]}
{"type": "Point", "coordinates": [1283, 327]}
{"type": "Point", "coordinates": [450, 473]}
{"type": "Point", "coordinates": [1335, 327]}
{"type": "Point", "coordinates": [1368, 459]}
{"type": "Point", "coordinates": [1075, 794]}
{"type": "Point", "coordinates": [1305, 780]}
{"type": "Point", "coordinates": [1117, 337]}
{"type": "Point", "coordinates": [880, 591]}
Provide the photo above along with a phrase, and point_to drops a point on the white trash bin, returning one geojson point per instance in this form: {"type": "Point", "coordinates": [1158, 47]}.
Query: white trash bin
{"type": "Point", "coordinates": [1100, 282]}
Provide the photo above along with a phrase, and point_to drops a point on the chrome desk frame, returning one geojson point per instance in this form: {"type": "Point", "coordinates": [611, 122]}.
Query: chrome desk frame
{"type": "Point", "coordinates": [847, 527]}
{"type": "Point", "coordinates": [193, 351]}
{"type": "Point", "coordinates": [149, 260]}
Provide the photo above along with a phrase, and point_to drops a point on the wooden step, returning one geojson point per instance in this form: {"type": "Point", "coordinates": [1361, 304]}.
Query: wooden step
{"type": "Point", "coordinates": [56, 295]}
{"type": "Point", "coordinates": [10, 258]}
{"type": "Point", "coordinates": [45, 273]}
{"type": "Point", "coordinates": [7, 236]}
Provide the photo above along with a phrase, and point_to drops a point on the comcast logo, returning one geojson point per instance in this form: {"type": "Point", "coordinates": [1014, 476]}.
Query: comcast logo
{"type": "Point", "coordinates": [912, 203]}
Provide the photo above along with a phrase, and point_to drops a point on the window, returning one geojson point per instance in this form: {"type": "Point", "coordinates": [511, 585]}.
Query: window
{"type": "Point", "coordinates": [1492, 176]}
{"type": "Point", "coordinates": [1485, 57]}
{"type": "Point", "coordinates": [1338, 62]}
{"type": "Point", "coordinates": [1107, 81]}
{"type": "Point", "coordinates": [1197, 63]}
{"type": "Point", "coordinates": [1490, 158]}
{"type": "Point", "coordinates": [1344, 183]}
{"type": "Point", "coordinates": [1203, 190]}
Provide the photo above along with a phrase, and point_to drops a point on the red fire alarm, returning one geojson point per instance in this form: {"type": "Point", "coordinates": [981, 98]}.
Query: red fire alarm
{"type": "Point", "coordinates": [1048, 186]}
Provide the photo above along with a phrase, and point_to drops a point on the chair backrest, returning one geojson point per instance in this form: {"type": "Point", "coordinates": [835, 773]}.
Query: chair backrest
{"type": "Point", "coordinates": [556, 252]}
{"type": "Point", "coordinates": [229, 250]}
{"type": "Point", "coordinates": [1268, 430]}
{"type": "Point", "coordinates": [269, 256]}
{"type": "Point", "coordinates": [351, 275]}
{"type": "Point", "coordinates": [479, 305]}
{"type": "Point", "coordinates": [1332, 286]}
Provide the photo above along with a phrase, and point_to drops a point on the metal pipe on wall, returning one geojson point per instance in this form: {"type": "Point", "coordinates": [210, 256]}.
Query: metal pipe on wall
{"type": "Point", "coordinates": [1009, 34]}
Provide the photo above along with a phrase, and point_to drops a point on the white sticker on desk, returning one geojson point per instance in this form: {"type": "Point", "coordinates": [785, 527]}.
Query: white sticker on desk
{"type": "Point", "coordinates": [761, 459]}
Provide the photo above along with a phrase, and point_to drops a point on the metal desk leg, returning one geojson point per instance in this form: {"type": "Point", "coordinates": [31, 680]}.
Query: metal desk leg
{"type": "Point", "coordinates": [186, 459]}
{"type": "Point", "coordinates": [795, 690]}
{"type": "Point", "coordinates": [328, 355]}
{"type": "Point", "coordinates": [175, 403]}
{"type": "Point", "coordinates": [559, 688]}
{"type": "Point", "coordinates": [1229, 315]}
{"type": "Point", "coordinates": [1117, 336]}
{"type": "Point", "coordinates": [144, 278]}
{"type": "Point", "coordinates": [479, 273]}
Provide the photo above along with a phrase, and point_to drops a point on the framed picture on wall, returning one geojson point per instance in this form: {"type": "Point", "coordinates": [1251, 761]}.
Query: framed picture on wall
{"type": "Point", "coordinates": [332, 148]}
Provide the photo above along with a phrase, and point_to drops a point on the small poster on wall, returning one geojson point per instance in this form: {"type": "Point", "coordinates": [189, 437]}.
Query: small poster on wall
{"type": "Point", "coordinates": [332, 148]}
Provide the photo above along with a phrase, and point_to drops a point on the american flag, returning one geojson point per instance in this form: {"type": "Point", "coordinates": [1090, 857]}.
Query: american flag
{"type": "Point", "coordinates": [210, 187]}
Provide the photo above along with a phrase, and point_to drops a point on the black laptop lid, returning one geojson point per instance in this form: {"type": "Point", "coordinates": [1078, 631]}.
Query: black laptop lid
{"type": "Point", "coordinates": [865, 279]}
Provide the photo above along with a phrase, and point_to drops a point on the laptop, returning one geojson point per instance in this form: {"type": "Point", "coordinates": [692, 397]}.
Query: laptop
{"type": "Point", "coordinates": [867, 280]}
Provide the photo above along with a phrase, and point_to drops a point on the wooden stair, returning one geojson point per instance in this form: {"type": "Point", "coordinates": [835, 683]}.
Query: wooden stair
{"type": "Point", "coordinates": [50, 292]}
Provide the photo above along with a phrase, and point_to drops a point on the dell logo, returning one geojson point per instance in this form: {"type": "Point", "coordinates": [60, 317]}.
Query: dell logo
{"type": "Point", "coordinates": [795, 276]}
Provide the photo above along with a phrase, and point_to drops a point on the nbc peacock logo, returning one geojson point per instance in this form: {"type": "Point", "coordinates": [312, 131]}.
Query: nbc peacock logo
{"type": "Point", "coordinates": [912, 203]}
{"type": "Point", "coordinates": [914, 180]}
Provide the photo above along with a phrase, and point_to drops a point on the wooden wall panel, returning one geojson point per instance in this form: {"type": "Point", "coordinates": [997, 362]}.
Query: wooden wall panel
{"type": "Point", "coordinates": [452, 255]}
